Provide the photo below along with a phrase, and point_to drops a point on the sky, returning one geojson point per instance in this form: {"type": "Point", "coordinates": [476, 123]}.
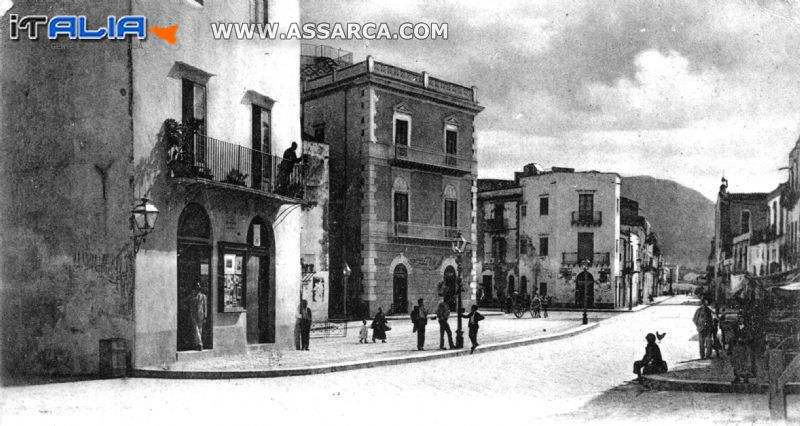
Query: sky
{"type": "Point", "coordinates": [680, 90]}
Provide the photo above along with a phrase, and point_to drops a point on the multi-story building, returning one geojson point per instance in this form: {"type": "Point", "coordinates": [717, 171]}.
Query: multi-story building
{"type": "Point", "coordinates": [403, 170]}
{"type": "Point", "coordinates": [634, 230]}
{"type": "Point", "coordinates": [739, 220]}
{"type": "Point", "coordinates": [198, 128]}
{"type": "Point", "coordinates": [499, 210]}
{"type": "Point", "coordinates": [567, 236]}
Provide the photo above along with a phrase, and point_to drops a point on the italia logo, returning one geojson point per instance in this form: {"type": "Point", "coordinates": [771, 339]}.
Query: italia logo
{"type": "Point", "coordinates": [77, 28]}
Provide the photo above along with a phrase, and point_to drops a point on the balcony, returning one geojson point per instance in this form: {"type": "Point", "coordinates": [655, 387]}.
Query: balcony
{"type": "Point", "coordinates": [425, 231]}
{"type": "Point", "coordinates": [418, 158]}
{"type": "Point", "coordinates": [598, 259]}
{"type": "Point", "coordinates": [497, 225]}
{"type": "Point", "coordinates": [587, 219]}
{"type": "Point", "coordinates": [237, 167]}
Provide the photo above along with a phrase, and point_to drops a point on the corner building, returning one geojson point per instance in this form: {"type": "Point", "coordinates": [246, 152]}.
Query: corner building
{"type": "Point", "coordinates": [402, 171]}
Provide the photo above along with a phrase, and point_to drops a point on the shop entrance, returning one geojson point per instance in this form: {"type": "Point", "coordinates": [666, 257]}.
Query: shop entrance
{"type": "Point", "coordinates": [260, 286]}
{"type": "Point", "coordinates": [194, 263]}
{"type": "Point", "coordinates": [584, 288]}
{"type": "Point", "coordinates": [400, 290]}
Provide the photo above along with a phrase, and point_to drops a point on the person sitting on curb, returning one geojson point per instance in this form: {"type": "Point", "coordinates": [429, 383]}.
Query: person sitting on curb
{"type": "Point", "coordinates": [651, 363]}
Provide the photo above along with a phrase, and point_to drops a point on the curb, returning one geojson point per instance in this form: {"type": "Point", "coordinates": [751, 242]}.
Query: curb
{"type": "Point", "coordinates": [658, 382]}
{"type": "Point", "coordinates": [323, 369]}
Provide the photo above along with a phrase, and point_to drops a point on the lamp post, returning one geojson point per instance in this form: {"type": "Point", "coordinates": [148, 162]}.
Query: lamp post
{"type": "Point", "coordinates": [143, 221]}
{"type": "Point", "coordinates": [459, 245]}
{"type": "Point", "coordinates": [585, 284]}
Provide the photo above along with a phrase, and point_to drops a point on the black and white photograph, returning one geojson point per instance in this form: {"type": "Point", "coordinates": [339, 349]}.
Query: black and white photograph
{"type": "Point", "coordinates": [421, 212]}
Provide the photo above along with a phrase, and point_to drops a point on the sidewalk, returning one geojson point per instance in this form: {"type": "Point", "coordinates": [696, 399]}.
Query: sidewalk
{"type": "Point", "coordinates": [711, 375]}
{"type": "Point", "coordinates": [329, 354]}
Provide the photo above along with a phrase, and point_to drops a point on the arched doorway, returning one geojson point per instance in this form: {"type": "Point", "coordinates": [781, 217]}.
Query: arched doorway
{"type": "Point", "coordinates": [449, 290]}
{"type": "Point", "coordinates": [523, 285]}
{"type": "Point", "coordinates": [400, 290]}
{"type": "Point", "coordinates": [584, 287]}
{"type": "Point", "coordinates": [511, 285]}
{"type": "Point", "coordinates": [260, 286]}
{"type": "Point", "coordinates": [194, 266]}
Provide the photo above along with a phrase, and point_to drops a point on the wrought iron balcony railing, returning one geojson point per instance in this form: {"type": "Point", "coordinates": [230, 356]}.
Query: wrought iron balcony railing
{"type": "Point", "coordinates": [497, 225]}
{"type": "Point", "coordinates": [229, 163]}
{"type": "Point", "coordinates": [424, 231]}
{"type": "Point", "coordinates": [427, 157]}
{"type": "Point", "coordinates": [587, 219]}
{"type": "Point", "coordinates": [598, 259]}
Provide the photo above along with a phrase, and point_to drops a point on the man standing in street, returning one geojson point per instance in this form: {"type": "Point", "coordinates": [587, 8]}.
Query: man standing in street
{"type": "Point", "coordinates": [704, 321]}
{"type": "Point", "coordinates": [442, 314]}
{"type": "Point", "coordinates": [197, 302]}
{"type": "Point", "coordinates": [422, 321]}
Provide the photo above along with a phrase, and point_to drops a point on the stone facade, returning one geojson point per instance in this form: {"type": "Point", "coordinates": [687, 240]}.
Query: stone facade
{"type": "Point", "coordinates": [382, 258]}
{"type": "Point", "coordinates": [86, 122]}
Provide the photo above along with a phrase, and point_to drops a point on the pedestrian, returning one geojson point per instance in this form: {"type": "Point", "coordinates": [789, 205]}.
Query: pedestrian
{"type": "Point", "coordinates": [443, 314]}
{"type": "Point", "coordinates": [742, 351]}
{"type": "Point", "coordinates": [651, 363]}
{"type": "Point", "coordinates": [414, 318]}
{"type": "Point", "coordinates": [362, 334]}
{"type": "Point", "coordinates": [422, 321]}
{"type": "Point", "coordinates": [703, 321]}
{"type": "Point", "coordinates": [545, 305]}
{"type": "Point", "coordinates": [716, 345]}
{"type": "Point", "coordinates": [304, 318]}
{"type": "Point", "coordinates": [198, 310]}
{"type": "Point", "coordinates": [287, 166]}
{"type": "Point", "coordinates": [379, 326]}
{"type": "Point", "coordinates": [473, 318]}
{"type": "Point", "coordinates": [536, 306]}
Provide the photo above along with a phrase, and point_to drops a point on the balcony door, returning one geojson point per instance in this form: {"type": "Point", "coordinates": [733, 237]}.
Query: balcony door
{"type": "Point", "coordinates": [193, 113]}
{"type": "Point", "coordinates": [261, 159]}
{"type": "Point", "coordinates": [585, 246]}
{"type": "Point", "coordinates": [585, 207]}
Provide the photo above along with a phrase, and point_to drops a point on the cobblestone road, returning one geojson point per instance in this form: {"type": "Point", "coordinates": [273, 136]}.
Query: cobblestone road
{"type": "Point", "coordinates": [582, 379]}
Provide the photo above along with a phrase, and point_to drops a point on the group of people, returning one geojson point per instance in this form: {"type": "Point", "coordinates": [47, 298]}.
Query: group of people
{"type": "Point", "coordinates": [742, 341]}
{"type": "Point", "coordinates": [419, 320]}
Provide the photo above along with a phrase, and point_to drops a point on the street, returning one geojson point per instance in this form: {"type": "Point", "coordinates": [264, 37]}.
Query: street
{"type": "Point", "coordinates": [584, 378]}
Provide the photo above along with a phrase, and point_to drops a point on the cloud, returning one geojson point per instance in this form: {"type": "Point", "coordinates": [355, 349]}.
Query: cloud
{"type": "Point", "coordinates": [699, 83]}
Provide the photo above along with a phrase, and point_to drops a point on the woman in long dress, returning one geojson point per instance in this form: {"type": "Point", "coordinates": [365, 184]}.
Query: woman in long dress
{"type": "Point", "coordinates": [742, 357]}
{"type": "Point", "coordinates": [379, 326]}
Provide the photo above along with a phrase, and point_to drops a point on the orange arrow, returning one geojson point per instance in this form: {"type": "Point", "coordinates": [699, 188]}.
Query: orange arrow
{"type": "Point", "coordinates": [166, 33]}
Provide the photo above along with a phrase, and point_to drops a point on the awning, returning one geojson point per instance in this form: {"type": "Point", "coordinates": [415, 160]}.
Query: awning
{"type": "Point", "coordinates": [307, 277]}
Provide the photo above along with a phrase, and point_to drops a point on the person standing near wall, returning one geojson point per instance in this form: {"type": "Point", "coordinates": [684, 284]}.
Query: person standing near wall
{"type": "Point", "coordinates": [304, 319]}
{"type": "Point", "coordinates": [198, 310]}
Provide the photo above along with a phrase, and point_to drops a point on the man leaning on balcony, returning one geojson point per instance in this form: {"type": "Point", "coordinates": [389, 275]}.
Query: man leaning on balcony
{"type": "Point", "coordinates": [287, 165]}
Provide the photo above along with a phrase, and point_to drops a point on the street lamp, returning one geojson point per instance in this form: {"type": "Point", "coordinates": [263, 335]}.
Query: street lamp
{"type": "Point", "coordinates": [459, 245]}
{"type": "Point", "coordinates": [143, 221]}
{"type": "Point", "coordinates": [585, 284]}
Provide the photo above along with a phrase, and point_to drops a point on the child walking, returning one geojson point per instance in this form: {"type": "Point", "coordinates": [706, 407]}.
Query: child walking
{"type": "Point", "coordinates": [362, 334]}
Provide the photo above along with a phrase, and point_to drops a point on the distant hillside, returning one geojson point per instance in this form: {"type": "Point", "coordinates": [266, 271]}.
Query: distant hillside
{"type": "Point", "coordinates": [682, 218]}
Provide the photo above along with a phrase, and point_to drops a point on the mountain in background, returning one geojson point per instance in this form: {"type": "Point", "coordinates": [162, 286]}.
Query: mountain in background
{"type": "Point", "coordinates": [682, 218]}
